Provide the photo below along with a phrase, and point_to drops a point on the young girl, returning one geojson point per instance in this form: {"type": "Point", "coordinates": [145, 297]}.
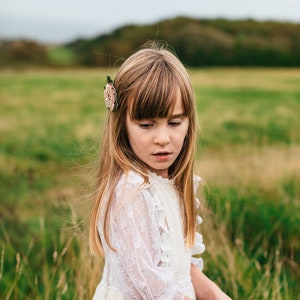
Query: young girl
{"type": "Point", "coordinates": [144, 218]}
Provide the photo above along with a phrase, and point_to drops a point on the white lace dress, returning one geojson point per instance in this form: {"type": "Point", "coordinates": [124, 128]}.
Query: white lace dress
{"type": "Point", "coordinates": [151, 260]}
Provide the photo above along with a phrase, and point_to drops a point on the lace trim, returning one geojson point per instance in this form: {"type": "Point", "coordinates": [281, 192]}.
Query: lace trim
{"type": "Point", "coordinates": [154, 176]}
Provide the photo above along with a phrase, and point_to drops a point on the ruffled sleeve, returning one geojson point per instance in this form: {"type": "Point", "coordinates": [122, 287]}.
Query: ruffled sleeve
{"type": "Point", "coordinates": [140, 256]}
{"type": "Point", "coordinates": [199, 247]}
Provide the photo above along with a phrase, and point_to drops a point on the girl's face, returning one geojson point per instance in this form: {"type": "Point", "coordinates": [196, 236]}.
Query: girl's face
{"type": "Point", "coordinates": [158, 142]}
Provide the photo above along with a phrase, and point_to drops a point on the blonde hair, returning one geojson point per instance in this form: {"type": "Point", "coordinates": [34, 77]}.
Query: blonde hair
{"type": "Point", "coordinates": [146, 84]}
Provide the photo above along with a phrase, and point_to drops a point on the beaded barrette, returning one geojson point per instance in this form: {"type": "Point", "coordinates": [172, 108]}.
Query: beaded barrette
{"type": "Point", "coordinates": [110, 95]}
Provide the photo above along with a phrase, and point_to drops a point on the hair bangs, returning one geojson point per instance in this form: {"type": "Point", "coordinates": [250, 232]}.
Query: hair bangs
{"type": "Point", "coordinates": [156, 95]}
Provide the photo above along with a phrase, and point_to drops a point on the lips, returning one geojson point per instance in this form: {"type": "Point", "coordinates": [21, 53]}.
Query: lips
{"type": "Point", "coordinates": [162, 155]}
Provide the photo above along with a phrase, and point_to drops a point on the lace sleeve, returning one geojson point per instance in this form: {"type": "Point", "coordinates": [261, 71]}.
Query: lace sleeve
{"type": "Point", "coordinates": [136, 237]}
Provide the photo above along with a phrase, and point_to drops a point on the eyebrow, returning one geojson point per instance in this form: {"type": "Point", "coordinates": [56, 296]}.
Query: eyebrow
{"type": "Point", "coordinates": [182, 115]}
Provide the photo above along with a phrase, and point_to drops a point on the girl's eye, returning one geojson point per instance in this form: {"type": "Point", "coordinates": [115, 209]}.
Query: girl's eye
{"type": "Point", "coordinates": [146, 125]}
{"type": "Point", "coordinates": [174, 123]}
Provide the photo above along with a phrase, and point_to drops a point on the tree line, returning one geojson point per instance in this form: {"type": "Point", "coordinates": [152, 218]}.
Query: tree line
{"type": "Point", "coordinates": [197, 42]}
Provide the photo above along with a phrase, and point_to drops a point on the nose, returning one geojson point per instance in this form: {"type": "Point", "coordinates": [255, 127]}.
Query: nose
{"type": "Point", "coordinates": [162, 136]}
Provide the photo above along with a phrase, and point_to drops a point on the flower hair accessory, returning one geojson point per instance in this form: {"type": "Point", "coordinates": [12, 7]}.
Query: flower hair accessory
{"type": "Point", "coordinates": [110, 95]}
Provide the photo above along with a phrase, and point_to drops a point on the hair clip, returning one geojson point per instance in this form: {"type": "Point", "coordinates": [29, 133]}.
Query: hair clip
{"type": "Point", "coordinates": [110, 95]}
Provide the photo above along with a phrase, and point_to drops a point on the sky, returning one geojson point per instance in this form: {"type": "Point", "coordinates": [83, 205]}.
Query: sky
{"type": "Point", "coordinates": [60, 21]}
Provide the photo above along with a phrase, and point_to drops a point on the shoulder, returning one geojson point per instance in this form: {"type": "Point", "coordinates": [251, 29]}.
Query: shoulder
{"type": "Point", "coordinates": [131, 187]}
{"type": "Point", "coordinates": [132, 197]}
{"type": "Point", "coordinates": [132, 179]}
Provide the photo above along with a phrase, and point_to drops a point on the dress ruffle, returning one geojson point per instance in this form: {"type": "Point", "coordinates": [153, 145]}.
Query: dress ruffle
{"type": "Point", "coordinates": [199, 246]}
{"type": "Point", "coordinates": [196, 250]}
{"type": "Point", "coordinates": [164, 245]}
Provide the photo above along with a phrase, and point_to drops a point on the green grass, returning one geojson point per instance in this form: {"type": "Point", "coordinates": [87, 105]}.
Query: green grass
{"type": "Point", "coordinates": [248, 154]}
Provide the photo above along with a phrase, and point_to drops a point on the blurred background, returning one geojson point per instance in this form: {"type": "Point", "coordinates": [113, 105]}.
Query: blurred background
{"type": "Point", "coordinates": [243, 58]}
{"type": "Point", "coordinates": [231, 33]}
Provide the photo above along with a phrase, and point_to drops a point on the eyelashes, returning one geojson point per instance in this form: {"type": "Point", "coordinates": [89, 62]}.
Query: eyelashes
{"type": "Point", "coordinates": [147, 125]}
{"type": "Point", "coordinates": [175, 123]}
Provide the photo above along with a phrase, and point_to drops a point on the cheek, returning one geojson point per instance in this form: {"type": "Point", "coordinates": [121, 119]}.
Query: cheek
{"type": "Point", "coordinates": [184, 132]}
{"type": "Point", "coordinates": [136, 143]}
{"type": "Point", "coordinates": [184, 138]}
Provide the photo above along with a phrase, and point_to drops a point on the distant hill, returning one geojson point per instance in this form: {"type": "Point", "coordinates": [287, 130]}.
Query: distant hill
{"type": "Point", "coordinates": [197, 42]}
{"type": "Point", "coordinates": [22, 53]}
{"type": "Point", "coordinates": [200, 42]}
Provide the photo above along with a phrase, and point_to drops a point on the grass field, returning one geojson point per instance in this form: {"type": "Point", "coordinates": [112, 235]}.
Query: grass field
{"type": "Point", "coordinates": [248, 154]}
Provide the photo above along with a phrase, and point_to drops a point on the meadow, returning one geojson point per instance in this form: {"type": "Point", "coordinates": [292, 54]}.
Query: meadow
{"type": "Point", "coordinates": [248, 155]}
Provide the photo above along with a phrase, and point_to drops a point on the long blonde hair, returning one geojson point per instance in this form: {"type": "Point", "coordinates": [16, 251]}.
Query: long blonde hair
{"type": "Point", "coordinates": [146, 84]}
